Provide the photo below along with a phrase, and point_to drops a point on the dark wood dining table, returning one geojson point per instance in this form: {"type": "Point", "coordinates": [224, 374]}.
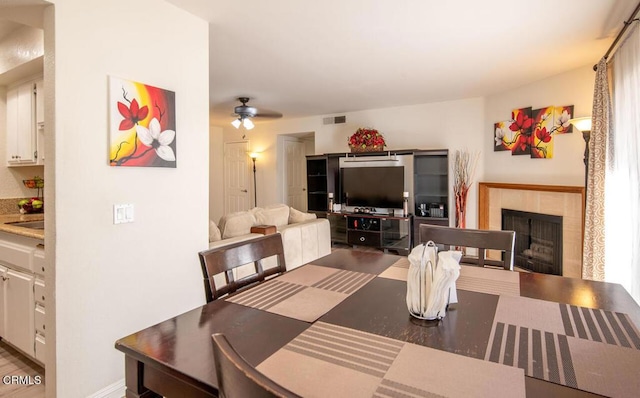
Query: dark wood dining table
{"type": "Point", "coordinates": [174, 358]}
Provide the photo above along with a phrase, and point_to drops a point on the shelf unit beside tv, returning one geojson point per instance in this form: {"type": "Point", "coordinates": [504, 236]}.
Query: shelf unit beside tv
{"type": "Point", "coordinates": [431, 187]}
{"type": "Point", "coordinates": [322, 178]}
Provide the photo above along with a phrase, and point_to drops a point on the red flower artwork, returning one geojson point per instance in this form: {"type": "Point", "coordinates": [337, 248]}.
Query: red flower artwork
{"type": "Point", "coordinates": [543, 135]}
{"type": "Point", "coordinates": [521, 123]}
{"type": "Point", "coordinates": [132, 114]}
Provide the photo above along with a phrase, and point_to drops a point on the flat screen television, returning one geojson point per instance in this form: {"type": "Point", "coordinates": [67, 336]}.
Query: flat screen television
{"type": "Point", "coordinates": [372, 186]}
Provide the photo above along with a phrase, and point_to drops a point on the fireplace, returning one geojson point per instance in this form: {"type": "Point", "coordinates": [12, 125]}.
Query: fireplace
{"type": "Point", "coordinates": [538, 240]}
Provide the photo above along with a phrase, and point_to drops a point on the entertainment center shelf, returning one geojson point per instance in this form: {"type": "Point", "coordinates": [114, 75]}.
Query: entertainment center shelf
{"type": "Point", "coordinates": [380, 231]}
{"type": "Point", "coordinates": [426, 178]}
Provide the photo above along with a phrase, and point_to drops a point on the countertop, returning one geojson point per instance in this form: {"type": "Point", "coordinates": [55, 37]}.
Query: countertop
{"type": "Point", "coordinates": [28, 232]}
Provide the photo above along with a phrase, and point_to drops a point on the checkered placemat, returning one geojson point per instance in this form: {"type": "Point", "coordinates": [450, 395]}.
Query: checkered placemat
{"type": "Point", "coordinates": [585, 348]}
{"type": "Point", "coordinates": [333, 361]}
{"type": "Point", "coordinates": [474, 279]}
{"type": "Point", "coordinates": [305, 293]}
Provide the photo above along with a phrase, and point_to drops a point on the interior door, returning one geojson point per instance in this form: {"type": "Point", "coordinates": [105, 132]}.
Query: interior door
{"type": "Point", "coordinates": [295, 174]}
{"type": "Point", "coordinates": [236, 177]}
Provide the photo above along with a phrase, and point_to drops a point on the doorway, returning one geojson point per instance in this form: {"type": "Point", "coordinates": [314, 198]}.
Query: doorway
{"type": "Point", "coordinates": [236, 177]}
{"type": "Point", "coordinates": [292, 167]}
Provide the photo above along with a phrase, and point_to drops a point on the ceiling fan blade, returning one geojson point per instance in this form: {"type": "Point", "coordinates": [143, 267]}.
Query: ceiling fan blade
{"type": "Point", "coordinates": [268, 114]}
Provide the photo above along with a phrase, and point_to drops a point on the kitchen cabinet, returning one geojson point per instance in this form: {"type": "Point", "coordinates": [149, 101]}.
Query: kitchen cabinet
{"type": "Point", "coordinates": [22, 131]}
{"type": "Point", "coordinates": [40, 121]}
{"type": "Point", "coordinates": [40, 324]}
{"type": "Point", "coordinates": [19, 311]}
{"type": "Point", "coordinates": [22, 294]}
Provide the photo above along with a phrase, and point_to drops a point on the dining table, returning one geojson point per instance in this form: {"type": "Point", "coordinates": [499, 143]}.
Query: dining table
{"type": "Point", "coordinates": [339, 326]}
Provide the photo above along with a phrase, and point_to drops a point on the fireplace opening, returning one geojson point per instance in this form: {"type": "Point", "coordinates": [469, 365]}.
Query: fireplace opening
{"type": "Point", "coordinates": [538, 240]}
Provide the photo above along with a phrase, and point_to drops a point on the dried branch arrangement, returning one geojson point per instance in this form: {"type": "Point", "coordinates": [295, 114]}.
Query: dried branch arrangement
{"type": "Point", "coordinates": [464, 169]}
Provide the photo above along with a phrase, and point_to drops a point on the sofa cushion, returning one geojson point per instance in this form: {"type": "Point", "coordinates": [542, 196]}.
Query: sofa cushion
{"type": "Point", "coordinates": [236, 224]}
{"type": "Point", "coordinates": [214, 232]}
{"type": "Point", "coordinates": [296, 216]}
{"type": "Point", "coordinates": [277, 215]}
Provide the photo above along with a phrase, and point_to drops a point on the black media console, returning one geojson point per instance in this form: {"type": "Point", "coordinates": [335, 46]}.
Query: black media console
{"type": "Point", "coordinates": [380, 231]}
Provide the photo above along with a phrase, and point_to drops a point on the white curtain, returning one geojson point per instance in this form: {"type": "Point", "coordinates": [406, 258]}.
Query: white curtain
{"type": "Point", "coordinates": [622, 197]}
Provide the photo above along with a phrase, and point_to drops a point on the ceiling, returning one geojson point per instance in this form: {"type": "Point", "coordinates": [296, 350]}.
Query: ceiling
{"type": "Point", "coordinates": [306, 58]}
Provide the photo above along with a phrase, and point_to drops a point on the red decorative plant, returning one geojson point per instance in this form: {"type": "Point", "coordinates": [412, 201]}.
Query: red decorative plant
{"type": "Point", "coordinates": [366, 138]}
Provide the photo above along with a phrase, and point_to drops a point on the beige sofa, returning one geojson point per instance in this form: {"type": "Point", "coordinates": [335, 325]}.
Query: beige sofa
{"type": "Point", "coordinates": [304, 237]}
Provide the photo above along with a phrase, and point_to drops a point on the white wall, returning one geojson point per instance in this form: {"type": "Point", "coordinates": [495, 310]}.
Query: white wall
{"type": "Point", "coordinates": [566, 167]}
{"type": "Point", "coordinates": [112, 280]}
{"type": "Point", "coordinates": [444, 125]}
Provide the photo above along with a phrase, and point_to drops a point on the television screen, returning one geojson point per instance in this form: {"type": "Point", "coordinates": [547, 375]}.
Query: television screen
{"type": "Point", "coordinates": [372, 186]}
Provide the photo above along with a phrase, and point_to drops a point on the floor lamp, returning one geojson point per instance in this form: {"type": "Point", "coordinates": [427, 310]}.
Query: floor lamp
{"type": "Point", "coordinates": [253, 157]}
{"type": "Point", "coordinates": [584, 125]}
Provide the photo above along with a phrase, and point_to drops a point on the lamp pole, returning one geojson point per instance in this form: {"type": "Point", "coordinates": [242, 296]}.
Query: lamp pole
{"type": "Point", "coordinates": [253, 157]}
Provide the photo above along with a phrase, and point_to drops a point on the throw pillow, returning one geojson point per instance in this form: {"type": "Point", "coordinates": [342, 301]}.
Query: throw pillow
{"type": "Point", "coordinates": [277, 215]}
{"type": "Point", "coordinates": [296, 216]}
{"type": "Point", "coordinates": [214, 232]}
{"type": "Point", "coordinates": [236, 224]}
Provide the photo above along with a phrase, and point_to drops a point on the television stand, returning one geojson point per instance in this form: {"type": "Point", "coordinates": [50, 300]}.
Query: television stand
{"type": "Point", "coordinates": [384, 232]}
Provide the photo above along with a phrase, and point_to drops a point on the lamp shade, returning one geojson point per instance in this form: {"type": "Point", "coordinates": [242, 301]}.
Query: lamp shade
{"type": "Point", "coordinates": [247, 123]}
{"type": "Point", "coordinates": [582, 123]}
{"type": "Point", "coordinates": [236, 123]}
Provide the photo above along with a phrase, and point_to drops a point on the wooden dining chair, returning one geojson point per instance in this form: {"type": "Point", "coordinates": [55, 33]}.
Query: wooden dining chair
{"type": "Point", "coordinates": [237, 378]}
{"type": "Point", "coordinates": [475, 238]}
{"type": "Point", "coordinates": [223, 260]}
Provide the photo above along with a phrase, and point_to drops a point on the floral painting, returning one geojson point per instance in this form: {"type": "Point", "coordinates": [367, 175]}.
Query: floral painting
{"type": "Point", "coordinates": [562, 115]}
{"type": "Point", "coordinates": [503, 136]}
{"type": "Point", "coordinates": [531, 132]}
{"type": "Point", "coordinates": [142, 125]}
{"type": "Point", "coordinates": [521, 124]}
{"type": "Point", "coordinates": [543, 127]}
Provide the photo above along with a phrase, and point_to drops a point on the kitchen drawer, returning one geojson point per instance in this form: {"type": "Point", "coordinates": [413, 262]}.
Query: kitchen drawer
{"type": "Point", "coordinates": [17, 255]}
{"type": "Point", "coordinates": [40, 347]}
{"type": "Point", "coordinates": [39, 291]}
{"type": "Point", "coordinates": [39, 319]}
{"type": "Point", "coordinates": [364, 238]}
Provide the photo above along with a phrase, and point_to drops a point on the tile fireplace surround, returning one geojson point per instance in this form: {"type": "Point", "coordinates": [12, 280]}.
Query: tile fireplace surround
{"type": "Point", "coordinates": [556, 200]}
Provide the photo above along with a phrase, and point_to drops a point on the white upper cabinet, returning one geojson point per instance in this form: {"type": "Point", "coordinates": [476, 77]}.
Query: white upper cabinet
{"type": "Point", "coordinates": [22, 131]}
{"type": "Point", "coordinates": [40, 120]}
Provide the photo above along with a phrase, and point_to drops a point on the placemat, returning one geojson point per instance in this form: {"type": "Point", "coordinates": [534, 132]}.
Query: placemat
{"type": "Point", "coordinates": [590, 349]}
{"type": "Point", "coordinates": [332, 361]}
{"type": "Point", "coordinates": [305, 293]}
{"type": "Point", "coordinates": [488, 280]}
{"type": "Point", "coordinates": [475, 279]}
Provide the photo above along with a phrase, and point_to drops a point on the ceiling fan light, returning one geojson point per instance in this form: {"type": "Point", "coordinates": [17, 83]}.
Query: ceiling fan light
{"type": "Point", "coordinates": [236, 123]}
{"type": "Point", "coordinates": [248, 124]}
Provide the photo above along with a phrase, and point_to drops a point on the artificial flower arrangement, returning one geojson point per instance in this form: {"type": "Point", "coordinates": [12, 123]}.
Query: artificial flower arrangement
{"type": "Point", "coordinates": [366, 139]}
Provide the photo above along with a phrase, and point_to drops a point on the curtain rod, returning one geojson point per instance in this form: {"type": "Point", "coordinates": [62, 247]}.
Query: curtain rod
{"type": "Point", "coordinates": [628, 22]}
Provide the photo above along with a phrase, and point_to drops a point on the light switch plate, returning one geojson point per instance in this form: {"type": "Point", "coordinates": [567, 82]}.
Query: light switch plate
{"type": "Point", "coordinates": [122, 213]}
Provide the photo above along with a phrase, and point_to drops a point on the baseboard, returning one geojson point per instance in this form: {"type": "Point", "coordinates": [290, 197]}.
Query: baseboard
{"type": "Point", "coordinates": [115, 390]}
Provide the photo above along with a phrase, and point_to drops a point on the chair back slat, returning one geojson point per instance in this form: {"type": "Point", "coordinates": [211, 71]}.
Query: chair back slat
{"type": "Point", "coordinates": [237, 378]}
{"type": "Point", "coordinates": [223, 260]}
{"type": "Point", "coordinates": [475, 238]}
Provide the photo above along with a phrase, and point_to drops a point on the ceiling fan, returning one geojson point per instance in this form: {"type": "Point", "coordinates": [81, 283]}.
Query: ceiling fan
{"type": "Point", "coordinates": [246, 112]}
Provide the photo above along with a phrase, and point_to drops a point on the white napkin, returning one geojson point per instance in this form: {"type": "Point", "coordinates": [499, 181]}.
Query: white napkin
{"type": "Point", "coordinates": [431, 281]}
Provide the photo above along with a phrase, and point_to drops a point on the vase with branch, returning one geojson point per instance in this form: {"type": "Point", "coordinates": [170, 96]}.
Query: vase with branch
{"type": "Point", "coordinates": [464, 168]}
